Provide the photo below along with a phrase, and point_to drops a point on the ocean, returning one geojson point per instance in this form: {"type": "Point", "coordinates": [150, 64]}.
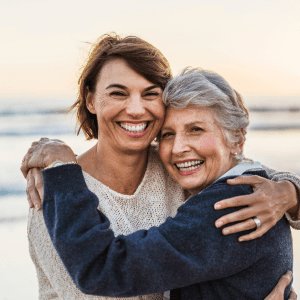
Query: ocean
{"type": "Point", "coordinates": [273, 138]}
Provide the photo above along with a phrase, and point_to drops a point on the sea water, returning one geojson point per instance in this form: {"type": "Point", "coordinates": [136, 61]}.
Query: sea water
{"type": "Point", "coordinates": [273, 138]}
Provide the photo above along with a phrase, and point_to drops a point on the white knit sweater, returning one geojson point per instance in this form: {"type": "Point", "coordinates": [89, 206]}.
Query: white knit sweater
{"type": "Point", "coordinates": [156, 198]}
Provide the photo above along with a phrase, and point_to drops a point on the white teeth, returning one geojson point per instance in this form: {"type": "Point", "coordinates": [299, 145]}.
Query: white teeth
{"type": "Point", "coordinates": [189, 165]}
{"type": "Point", "coordinates": [134, 128]}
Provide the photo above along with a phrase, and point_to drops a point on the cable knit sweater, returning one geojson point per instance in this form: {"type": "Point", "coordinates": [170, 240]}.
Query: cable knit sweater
{"type": "Point", "coordinates": [156, 198]}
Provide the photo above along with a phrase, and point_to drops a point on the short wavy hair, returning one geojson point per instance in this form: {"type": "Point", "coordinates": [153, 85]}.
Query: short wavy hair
{"type": "Point", "coordinates": [141, 56]}
{"type": "Point", "coordinates": [197, 87]}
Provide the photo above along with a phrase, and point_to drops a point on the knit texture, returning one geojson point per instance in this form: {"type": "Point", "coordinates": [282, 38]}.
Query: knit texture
{"type": "Point", "coordinates": [156, 198]}
{"type": "Point", "coordinates": [186, 251]}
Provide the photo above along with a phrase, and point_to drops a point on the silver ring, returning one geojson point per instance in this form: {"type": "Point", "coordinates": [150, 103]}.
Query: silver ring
{"type": "Point", "coordinates": [257, 221]}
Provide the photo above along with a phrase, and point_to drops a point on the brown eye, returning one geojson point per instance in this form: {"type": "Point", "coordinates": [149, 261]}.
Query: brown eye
{"type": "Point", "coordinates": [151, 95]}
{"type": "Point", "coordinates": [196, 129]}
{"type": "Point", "coordinates": [118, 94]}
{"type": "Point", "coordinates": [166, 135]}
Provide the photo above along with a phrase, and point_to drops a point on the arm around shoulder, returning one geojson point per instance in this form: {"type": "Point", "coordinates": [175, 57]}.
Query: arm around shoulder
{"type": "Point", "coordinates": [144, 262]}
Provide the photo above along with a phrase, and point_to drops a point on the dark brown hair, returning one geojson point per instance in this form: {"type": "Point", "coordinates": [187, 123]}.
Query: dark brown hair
{"type": "Point", "coordinates": [141, 56]}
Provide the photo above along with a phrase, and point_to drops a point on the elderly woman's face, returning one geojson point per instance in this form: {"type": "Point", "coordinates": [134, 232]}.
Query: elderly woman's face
{"type": "Point", "coordinates": [129, 108]}
{"type": "Point", "coordinates": [193, 148]}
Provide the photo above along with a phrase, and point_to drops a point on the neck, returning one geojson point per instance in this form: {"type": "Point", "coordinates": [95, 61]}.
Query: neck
{"type": "Point", "coordinates": [122, 172]}
{"type": "Point", "coordinates": [197, 190]}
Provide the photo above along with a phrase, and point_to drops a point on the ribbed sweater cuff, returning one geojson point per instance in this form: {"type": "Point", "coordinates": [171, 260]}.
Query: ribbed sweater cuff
{"type": "Point", "coordinates": [62, 178]}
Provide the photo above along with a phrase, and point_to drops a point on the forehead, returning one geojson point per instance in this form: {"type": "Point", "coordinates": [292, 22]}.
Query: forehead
{"type": "Point", "coordinates": [189, 115]}
{"type": "Point", "coordinates": [118, 71]}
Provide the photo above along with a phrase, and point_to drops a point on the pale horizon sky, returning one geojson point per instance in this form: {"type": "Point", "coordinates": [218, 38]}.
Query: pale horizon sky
{"type": "Point", "coordinates": [255, 44]}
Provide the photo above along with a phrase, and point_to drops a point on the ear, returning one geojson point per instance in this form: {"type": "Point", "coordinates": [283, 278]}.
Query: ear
{"type": "Point", "coordinates": [90, 103]}
{"type": "Point", "coordinates": [237, 148]}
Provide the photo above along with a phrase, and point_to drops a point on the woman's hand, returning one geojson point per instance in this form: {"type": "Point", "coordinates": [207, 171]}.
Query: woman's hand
{"type": "Point", "coordinates": [35, 188]}
{"type": "Point", "coordinates": [278, 291]}
{"type": "Point", "coordinates": [44, 152]}
{"type": "Point", "coordinates": [40, 155]}
{"type": "Point", "coordinates": [268, 203]}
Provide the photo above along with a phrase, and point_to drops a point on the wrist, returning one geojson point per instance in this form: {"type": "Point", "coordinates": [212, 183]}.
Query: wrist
{"type": "Point", "coordinates": [51, 158]}
{"type": "Point", "coordinates": [58, 163]}
{"type": "Point", "coordinates": [293, 203]}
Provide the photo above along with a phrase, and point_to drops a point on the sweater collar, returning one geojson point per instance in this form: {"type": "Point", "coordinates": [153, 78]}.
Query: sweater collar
{"type": "Point", "coordinates": [241, 168]}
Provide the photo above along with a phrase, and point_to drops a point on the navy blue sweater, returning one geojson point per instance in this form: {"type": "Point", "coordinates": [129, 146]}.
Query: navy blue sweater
{"type": "Point", "coordinates": [187, 252]}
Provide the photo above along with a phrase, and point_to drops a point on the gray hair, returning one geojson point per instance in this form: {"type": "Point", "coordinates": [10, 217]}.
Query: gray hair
{"type": "Point", "coordinates": [197, 87]}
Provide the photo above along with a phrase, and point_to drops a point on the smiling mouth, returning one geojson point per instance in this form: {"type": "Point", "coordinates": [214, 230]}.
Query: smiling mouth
{"type": "Point", "coordinates": [189, 165]}
{"type": "Point", "coordinates": [134, 128]}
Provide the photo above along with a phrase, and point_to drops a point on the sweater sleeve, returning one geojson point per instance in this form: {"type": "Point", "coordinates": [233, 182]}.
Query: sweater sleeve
{"type": "Point", "coordinates": [293, 178]}
{"type": "Point", "coordinates": [145, 261]}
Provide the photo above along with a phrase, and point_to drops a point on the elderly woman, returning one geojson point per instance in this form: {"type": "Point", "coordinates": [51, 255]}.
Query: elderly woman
{"type": "Point", "coordinates": [201, 145]}
{"type": "Point", "coordinates": [120, 104]}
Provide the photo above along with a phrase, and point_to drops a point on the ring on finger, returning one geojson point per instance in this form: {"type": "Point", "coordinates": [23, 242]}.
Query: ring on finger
{"type": "Point", "coordinates": [257, 221]}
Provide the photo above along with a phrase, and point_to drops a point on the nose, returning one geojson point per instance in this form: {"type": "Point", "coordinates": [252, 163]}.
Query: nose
{"type": "Point", "coordinates": [180, 145]}
{"type": "Point", "coordinates": [135, 106]}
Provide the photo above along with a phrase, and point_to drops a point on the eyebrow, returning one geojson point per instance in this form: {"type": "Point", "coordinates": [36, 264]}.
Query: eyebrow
{"type": "Point", "coordinates": [152, 87]}
{"type": "Point", "coordinates": [121, 86]}
{"type": "Point", "coordinates": [166, 128]}
{"type": "Point", "coordinates": [116, 85]}
{"type": "Point", "coordinates": [196, 123]}
{"type": "Point", "coordinates": [186, 125]}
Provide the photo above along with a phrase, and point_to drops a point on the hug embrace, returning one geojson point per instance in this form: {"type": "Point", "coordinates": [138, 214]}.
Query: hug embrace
{"type": "Point", "coordinates": [187, 214]}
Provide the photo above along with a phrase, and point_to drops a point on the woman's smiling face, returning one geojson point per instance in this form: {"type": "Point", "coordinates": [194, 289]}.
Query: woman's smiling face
{"type": "Point", "coordinates": [128, 107]}
{"type": "Point", "coordinates": [193, 148]}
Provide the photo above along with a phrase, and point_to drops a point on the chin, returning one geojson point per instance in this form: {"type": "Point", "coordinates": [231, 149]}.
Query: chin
{"type": "Point", "coordinates": [131, 149]}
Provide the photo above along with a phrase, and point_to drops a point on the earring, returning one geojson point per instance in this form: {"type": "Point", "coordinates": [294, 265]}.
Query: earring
{"type": "Point", "coordinates": [236, 155]}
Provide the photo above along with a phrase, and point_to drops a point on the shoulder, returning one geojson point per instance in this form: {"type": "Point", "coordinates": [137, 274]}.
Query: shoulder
{"type": "Point", "coordinates": [221, 190]}
{"type": "Point", "coordinates": [203, 202]}
{"type": "Point", "coordinates": [218, 191]}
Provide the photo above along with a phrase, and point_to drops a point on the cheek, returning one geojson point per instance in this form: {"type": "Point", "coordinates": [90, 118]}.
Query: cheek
{"type": "Point", "coordinates": [101, 101]}
{"type": "Point", "coordinates": [216, 149]}
{"type": "Point", "coordinates": [208, 146]}
{"type": "Point", "coordinates": [108, 109]}
{"type": "Point", "coordinates": [158, 109]}
{"type": "Point", "coordinates": [165, 151]}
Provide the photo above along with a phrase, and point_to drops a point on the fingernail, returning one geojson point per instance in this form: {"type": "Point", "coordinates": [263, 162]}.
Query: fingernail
{"type": "Point", "coordinates": [241, 239]}
{"type": "Point", "coordinates": [37, 207]}
{"type": "Point", "coordinates": [219, 224]}
{"type": "Point", "coordinates": [217, 206]}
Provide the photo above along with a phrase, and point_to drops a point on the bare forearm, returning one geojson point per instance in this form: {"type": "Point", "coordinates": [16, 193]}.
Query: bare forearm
{"type": "Point", "coordinates": [291, 186]}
